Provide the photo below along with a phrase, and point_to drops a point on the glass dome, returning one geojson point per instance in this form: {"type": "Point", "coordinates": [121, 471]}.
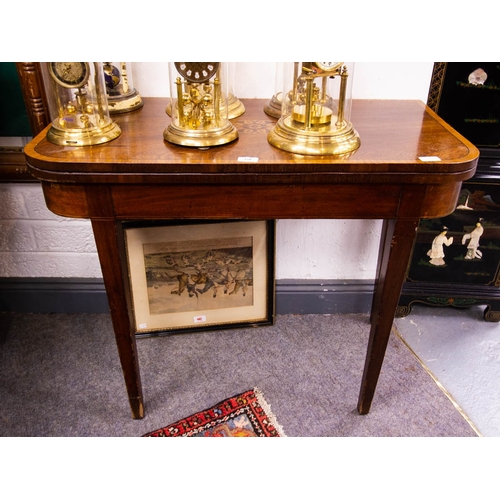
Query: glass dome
{"type": "Point", "coordinates": [235, 106]}
{"type": "Point", "coordinates": [273, 106]}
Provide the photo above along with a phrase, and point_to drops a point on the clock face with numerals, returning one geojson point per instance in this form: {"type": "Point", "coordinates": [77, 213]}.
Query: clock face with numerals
{"type": "Point", "coordinates": [70, 74]}
{"type": "Point", "coordinates": [328, 66]}
{"type": "Point", "coordinates": [197, 72]}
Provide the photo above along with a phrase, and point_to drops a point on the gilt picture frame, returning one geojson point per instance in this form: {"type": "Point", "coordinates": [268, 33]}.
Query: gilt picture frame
{"type": "Point", "coordinates": [188, 276]}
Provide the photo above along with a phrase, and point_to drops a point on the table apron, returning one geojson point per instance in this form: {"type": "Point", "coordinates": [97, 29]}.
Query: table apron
{"type": "Point", "coordinates": [253, 201]}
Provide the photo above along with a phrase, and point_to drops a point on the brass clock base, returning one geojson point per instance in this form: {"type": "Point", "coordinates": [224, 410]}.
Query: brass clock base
{"type": "Point", "coordinates": [273, 106]}
{"type": "Point", "coordinates": [124, 104]}
{"type": "Point", "coordinates": [314, 142]}
{"type": "Point", "coordinates": [83, 137]}
{"type": "Point", "coordinates": [235, 107]}
{"type": "Point", "coordinates": [200, 138]}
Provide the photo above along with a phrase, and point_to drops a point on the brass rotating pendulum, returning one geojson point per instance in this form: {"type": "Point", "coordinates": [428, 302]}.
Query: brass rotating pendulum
{"type": "Point", "coordinates": [313, 113]}
{"type": "Point", "coordinates": [80, 108]}
{"type": "Point", "coordinates": [197, 108]}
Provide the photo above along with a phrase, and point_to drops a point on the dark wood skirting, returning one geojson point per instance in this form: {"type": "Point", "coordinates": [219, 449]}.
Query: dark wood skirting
{"type": "Point", "coordinates": [52, 295]}
{"type": "Point", "coordinates": [70, 295]}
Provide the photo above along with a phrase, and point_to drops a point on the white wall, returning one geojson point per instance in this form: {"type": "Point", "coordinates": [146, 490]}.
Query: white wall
{"type": "Point", "coordinates": [37, 243]}
{"type": "Point", "coordinates": [371, 80]}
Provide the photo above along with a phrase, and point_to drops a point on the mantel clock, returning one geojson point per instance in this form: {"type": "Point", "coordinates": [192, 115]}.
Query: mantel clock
{"type": "Point", "coordinates": [199, 105]}
{"type": "Point", "coordinates": [122, 96]}
{"type": "Point", "coordinates": [235, 107]}
{"type": "Point", "coordinates": [315, 110]}
{"type": "Point", "coordinates": [82, 108]}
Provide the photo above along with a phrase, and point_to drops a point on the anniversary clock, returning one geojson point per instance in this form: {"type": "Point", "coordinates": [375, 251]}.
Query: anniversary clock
{"type": "Point", "coordinates": [199, 105]}
{"type": "Point", "coordinates": [235, 107]}
{"type": "Point", "coordinates": [80, 96]}
{"type": "Point", "coordinates": [122, 96]}
{"type": "Point", "coordinates": [315, 110]}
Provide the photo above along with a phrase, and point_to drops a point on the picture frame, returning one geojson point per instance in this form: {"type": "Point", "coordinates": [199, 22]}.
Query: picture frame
{"type": "Point", "coordinates": [188, 276]}
{"type": "Point", "coordinates": [467, 96]}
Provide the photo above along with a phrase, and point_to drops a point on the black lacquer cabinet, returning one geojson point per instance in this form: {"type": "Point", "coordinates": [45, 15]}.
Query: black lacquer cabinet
{"type": "Point", "coordinates": [456, 259]}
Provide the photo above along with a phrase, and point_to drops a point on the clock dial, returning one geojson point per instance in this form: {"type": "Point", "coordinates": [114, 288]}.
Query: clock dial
{"type": "Point", "coordinates": [197, 72]}
{"type": "Point", "coordinates": [328, 66]}
{"type": "Point", "coordinates": [70, 74]}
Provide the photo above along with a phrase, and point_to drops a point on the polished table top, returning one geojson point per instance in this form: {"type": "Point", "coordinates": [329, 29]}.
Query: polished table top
{"type": "Point", "coordinates": [395, 135]}
{"type": "Point", "coordinates": [410, 165]}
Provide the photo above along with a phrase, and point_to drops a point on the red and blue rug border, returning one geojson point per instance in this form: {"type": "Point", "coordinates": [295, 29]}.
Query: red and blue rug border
{"type": "Point", "coordinates": [250, 403]}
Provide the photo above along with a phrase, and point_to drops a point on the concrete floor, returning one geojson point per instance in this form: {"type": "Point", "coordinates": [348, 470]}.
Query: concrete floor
{"type": "Point", "coordinates": [462, 352]}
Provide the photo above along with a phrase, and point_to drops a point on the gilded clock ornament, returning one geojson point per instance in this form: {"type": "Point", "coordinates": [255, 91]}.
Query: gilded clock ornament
{"type": "Point", "coordinates": [199, 105]}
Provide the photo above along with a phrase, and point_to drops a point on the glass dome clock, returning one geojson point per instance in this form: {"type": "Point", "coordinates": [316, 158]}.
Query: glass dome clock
{"type": "Point", "coordinates": [79, 93]}
{"type": "Point", "coordinates": [122, 96]}
{"type": "Point", "coordinates": [199, 105]}
{"type": "Point", "coordinates": [235, 106]}
{"type": "Point", "coordinates": [315, 110]}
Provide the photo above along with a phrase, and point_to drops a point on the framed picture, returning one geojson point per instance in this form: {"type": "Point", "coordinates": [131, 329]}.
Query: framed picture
{"type": "Point", "coordinates": [467, 96]}
{"type": "Point", "coordinates": [199, 275]}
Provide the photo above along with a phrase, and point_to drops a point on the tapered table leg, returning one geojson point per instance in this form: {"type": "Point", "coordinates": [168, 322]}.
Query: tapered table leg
{"type": "Point", "coordinates": [395, 250]}
{"type": "Point", "coordinates": [107, 235]}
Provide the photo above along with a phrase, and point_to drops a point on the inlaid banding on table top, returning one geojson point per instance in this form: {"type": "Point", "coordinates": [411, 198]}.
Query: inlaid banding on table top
{"type": "Point", "coordinates": [394, 135]}
{"type": "Point", "coordinates": [254, 126]}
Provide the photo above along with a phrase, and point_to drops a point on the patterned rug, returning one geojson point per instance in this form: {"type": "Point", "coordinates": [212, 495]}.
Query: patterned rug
{"type": "Point", "coordinates": [244, 415]}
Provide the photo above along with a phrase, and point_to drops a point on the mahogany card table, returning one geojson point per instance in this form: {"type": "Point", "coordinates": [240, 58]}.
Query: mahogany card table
{"type": "Point", "coordinates": [410, 166]}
